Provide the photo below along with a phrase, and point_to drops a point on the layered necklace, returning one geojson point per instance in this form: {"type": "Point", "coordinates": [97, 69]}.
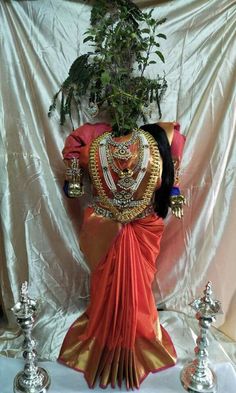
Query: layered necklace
{"type": "Point", "coordinates": [123, 204]}
{"type": "Point", "coordinates": [127, 182]}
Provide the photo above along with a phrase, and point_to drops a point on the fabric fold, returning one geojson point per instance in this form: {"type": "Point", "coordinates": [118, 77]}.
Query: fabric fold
{"type": "Point", "coordinates": [119, 337]}
{"type": "Point", "coordinates": [113, 366]}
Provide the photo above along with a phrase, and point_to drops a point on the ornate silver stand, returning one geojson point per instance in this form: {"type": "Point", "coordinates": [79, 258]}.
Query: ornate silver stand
{"type": "Point", "coordinates": [32, 379]}
{"type": "Point", "coordinates": [196, 376]}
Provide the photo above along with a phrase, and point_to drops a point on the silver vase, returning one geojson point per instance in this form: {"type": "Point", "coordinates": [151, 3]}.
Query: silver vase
{"type": "Point", "coordinates": [197, 376]}
{"type": "Point", "coordinates": [32, 379]}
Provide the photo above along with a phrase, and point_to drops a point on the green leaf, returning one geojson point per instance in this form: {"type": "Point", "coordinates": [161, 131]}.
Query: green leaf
{"type": "Point", "coordinates": [152, 22]}
{"type": "Point", "coordinates": [117, 42]}
{"type": "Point", "coordinates": [145, 31]}
{"type": "Point", "coordinates": [152, 40]}
{"type": "Point", "coordinates": [150, 13]}
{"type": "Point", "coordinates": [161, 36]}
{"type": "Point", "coordinates": [159, 22]}
{"type": "Point", "coordinates": [89, 38]}
{"type": "Point", "coordinates": [105, 78]}
{"type": "Point", "coordinates": [160, 55]}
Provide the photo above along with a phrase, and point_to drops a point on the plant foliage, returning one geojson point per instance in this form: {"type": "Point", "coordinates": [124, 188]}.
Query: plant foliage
{"type": "Point", "coordinates": [123, 39]}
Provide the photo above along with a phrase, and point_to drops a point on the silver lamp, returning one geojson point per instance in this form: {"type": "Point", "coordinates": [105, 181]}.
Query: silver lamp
{"type": "Point", "coordinates": [197, 376]}
{"type": "Point", "coordinates": [32, 379]}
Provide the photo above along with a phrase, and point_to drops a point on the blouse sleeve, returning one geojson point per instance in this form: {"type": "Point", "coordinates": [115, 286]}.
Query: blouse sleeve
{"type": "Point", "coordinates": [81, 137]}
{"type": "Point", "coordinates": [75, 142]}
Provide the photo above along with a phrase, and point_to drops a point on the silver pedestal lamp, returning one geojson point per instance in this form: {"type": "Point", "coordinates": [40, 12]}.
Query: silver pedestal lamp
{"type": "Point", "coordinates": [32, 379]}
{"type": "Point", "coordinates": [197, 376]}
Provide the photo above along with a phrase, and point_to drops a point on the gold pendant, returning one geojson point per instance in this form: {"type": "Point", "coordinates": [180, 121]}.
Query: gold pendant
{"type": "Point", "coordinates": [126, 180]}
{"type": "Point", "coordinates": [122, 153]}
{"type": "Point", "coordinates": [126, 183]}
{"type": "Point", "coordinates": [122, 199]}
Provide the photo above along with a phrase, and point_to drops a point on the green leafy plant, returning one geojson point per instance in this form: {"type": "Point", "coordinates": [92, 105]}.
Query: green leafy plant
{"type": "Point", "coordinates": [125, 41]}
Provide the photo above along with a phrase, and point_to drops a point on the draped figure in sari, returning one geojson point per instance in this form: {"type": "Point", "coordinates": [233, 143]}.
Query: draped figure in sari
{"type": "Point", "coordinates": [119, 337]}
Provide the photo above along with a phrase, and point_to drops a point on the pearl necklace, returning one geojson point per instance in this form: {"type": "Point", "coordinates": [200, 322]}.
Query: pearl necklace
{"type": "Point", "coordinates": [127, 183]}
{"type": "Point", "coordinates": [135, 207]}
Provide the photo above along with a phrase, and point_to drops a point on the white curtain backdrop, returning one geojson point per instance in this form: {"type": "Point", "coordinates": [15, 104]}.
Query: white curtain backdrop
{"type": "Point", "coordinates": [39, 230]}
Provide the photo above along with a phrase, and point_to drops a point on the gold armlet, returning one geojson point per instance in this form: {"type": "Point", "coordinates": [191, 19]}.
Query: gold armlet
{"type": "Point", "coordinates": [176, 204]}
{"type": "Point", "coordinates": [176, 163]}
{"type": "Point", "coordinates": [74, 178]}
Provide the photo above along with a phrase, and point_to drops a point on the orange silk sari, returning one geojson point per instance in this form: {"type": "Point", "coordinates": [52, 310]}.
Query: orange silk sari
{"type": "Point", "coordinates": [119, 337]}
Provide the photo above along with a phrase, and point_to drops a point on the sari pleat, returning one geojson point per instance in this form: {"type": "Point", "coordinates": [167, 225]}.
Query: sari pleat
{"type": "Point", "coordinates": [119, 338]}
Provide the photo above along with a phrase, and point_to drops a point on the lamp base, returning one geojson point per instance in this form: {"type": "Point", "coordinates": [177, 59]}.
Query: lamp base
{"type": "Point", "coordinates": [196, 381]}
{"type": "Point", "coordinates": [39, 384]}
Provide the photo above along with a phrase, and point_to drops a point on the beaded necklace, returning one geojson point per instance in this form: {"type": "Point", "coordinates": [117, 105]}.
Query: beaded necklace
{"type": "Point", "coordinates": [127, 183]}
{"type": "Point", "coordinates": [122, 206]}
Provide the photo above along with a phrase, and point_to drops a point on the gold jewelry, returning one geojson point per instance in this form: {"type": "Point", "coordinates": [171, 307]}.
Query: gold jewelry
{"type": "Point", "coordinates": [75, 190]}
{"type": "Point", "coordinates": [176, 204]}
{"type": "Point", "coordinates": [122, 151]}
{"type": "Point", "coordinates": [130, 212]}
{"type": "Point", "coordinates": [74, 178]}
{"type": "Point", "coordinates": [176, 164]}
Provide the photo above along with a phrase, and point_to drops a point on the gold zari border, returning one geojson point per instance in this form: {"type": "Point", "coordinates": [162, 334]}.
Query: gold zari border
{"type": "Point", "coordinates": [115, 365]}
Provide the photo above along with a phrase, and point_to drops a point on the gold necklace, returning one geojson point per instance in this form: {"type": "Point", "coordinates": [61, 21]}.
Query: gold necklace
{"type": "Point", "coordinates": [129, 213]}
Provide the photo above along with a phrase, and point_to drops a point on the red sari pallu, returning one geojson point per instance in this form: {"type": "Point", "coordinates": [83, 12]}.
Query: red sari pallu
{"type": "Point", "coordinates": [119, 337]}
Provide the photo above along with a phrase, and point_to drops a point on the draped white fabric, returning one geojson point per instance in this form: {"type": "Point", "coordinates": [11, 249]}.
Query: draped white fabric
{"type": "Point", "coordinates": [40, 227]}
